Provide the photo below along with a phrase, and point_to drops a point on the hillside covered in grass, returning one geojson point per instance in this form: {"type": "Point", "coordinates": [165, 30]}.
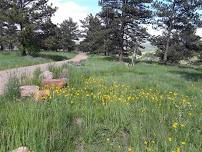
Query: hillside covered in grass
{"type": "Point", "coordinates": [108, 106]}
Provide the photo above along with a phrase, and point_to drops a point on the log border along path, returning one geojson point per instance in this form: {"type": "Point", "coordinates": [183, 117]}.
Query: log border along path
{"type": "Point", "coordinates": [29, 70]}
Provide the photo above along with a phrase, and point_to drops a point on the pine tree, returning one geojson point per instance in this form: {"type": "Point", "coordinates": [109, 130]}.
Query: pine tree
{"type": "Point", "coordinates": [2, 34]}
{"type": "Point", "coordinates": [29, 15]}
{"type": "Point", "coordinates": [93, 35]}
{"type": "Point", "coordinates": [128, 19]}
{"type": "Point", "coordinates": [11, 36]}
{"type": "Point", "coordinates": [3, 18]}
{"type": "Point", "coordinates": [110, 26]}
{"type": "Point", "coordinates": [69, 34]}
{"type": "Point", "coordinates": [177, 18]}
{"type": "Point", "coordinates": [51, 37]}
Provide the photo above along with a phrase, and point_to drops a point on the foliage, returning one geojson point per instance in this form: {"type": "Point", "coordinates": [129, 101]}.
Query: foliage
{"type": "Point", "coordinates": [117, 29]}
{"type": "Point", "coordinates": [110, 107]}
{"type": "Point", "coordinates": [28, 16]}
{"type": "Point", "coordinates": [7, 28]}
{"type": "Point", "coordinates": [27, 24]}
{"type": "Point", "coordinates": [126, 19]}
{"type": "Point", "coordinates": [179, 20]}
{"type": "Point", "coordinates": [51, 36]}
{"type": "Point", "coordinates": [92, 34]}
{"type": "Point", "coordinates": [69, 34]}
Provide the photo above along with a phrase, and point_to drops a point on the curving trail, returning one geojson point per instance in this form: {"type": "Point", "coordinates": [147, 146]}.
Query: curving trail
{"type": "Point", "coordinates": [28, 71]}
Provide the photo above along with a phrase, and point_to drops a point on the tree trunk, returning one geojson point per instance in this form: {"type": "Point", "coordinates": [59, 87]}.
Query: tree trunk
{"type": "Point", "coordinates": [165, 57]}
{"type": "Point", "coordinates": [2, 47]}
{"type": "Point", "coordinates": [121, 55]}
{"type": "Point", "coordinates": [23, 51]}
{"type": "Point", "coordinates": [121, 50]}
{"type": "Point", "coordinates": [123, 25]}
{"type": "Point", "coordinates": [105, 53]}
{"type": "Point", "coordinates": [10, 46]}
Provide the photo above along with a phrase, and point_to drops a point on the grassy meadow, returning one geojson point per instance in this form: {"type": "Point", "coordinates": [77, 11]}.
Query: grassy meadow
{"type": "Point", "coordinates": [10, 60]}
{"type": "Point", "coordinates": [109, 107]}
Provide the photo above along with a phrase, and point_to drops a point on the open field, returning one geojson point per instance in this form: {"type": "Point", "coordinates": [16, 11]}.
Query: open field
{"type": "Point", "coordinates": [13, 60]}
{"type": "Point", "coordinates": [109, 107]}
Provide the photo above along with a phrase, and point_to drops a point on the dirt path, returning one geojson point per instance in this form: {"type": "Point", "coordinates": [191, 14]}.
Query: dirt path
{"type": "Point", "coordinates": [28, 71]}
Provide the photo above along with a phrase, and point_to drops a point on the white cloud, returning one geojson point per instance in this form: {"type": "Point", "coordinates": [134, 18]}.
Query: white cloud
{"type": "Point", "coordinates": [199, 32]}
{"type": "Point", "coordinates": [153, 31]}
{"type": "Point", "coordinates": [68, 9]}
{"type": "Point", "coordinates": [156, 32]}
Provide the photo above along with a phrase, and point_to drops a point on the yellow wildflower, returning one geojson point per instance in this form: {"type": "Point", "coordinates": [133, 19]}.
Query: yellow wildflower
{"type": "Point", "coordinates": [178, 149]}
{"type": "Point", "coordinates": [153, 142]}
{"type": "Point", "coordinates": [145, 142]}
{"type": "Point", "coordinates": [182, 125]}
{"type": "Point", "coordinates": [130, 150]}
{"type": "Point", "coordinates": [183, 143]}
{"type": "Point", "coordinates": [175, 124]}
{"type": "Point", "coordinates": [190, 114]}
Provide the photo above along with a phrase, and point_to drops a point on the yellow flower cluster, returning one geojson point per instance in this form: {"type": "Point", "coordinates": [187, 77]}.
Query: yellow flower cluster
{"type": "Point", "coordinates": [176, 125]}
{"type": "Point", "coordinates": [177, 150]}
{"type": "Point", "coordinates": [98, 90]}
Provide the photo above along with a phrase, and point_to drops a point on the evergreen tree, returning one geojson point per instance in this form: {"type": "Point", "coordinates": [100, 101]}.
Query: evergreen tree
{"type": "Point", "coordinates": [8, 34]}
{"type": "Point", "coordinates": [69, 34]}
{"type": "Point", "coordinates": [129, 15]}
{"type": "Point", "coordinates": [29, 15]}
{"type": "Point", "coordinates": [2, 35]}
{"type": "Point", "coordinates": [93, 35]}
{"type": "Point", "coordinates": [51, 37]}
{"type": "Point", "coordinates": [3, 18]}
{"type": "Point", "coordinates": [10, 37]}
{"type": "Point", "coordinates": [179, 19]}
{"type": "Point", "coordinates": [110, 27]}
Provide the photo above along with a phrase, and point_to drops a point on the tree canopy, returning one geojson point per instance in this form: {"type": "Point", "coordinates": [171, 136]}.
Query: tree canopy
{"type": "Point", "coordinates": [69, 34]}
{"type": "Point", "coordinates": [179, 20]}
{"type": "Point", "coordinates": [120, 28]}
{"type": "Point", "coordinates": [127, 17]}
{"type": "Point", "coordinates": [28, 16]}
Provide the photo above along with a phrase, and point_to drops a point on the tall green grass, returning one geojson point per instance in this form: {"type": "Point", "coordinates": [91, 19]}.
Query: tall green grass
{"type": "Point", "coordinates": [14, 60]}
{"type": "Point", "coordinates": [115, 127]}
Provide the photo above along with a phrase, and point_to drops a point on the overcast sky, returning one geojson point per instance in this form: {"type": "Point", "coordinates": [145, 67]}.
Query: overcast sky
{"type": "Point", "coordinates": [79, 9]}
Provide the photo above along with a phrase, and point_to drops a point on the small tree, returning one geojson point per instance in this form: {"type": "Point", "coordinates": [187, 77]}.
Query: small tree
{"type": "Point", "coordinates": [69, 34]}
{"type": "Point", "coordinates": [11, 36]}
{"type": "Point", "coordinates": [92, 34]}
{"type": "Point", "coordinates": [51, 37]}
